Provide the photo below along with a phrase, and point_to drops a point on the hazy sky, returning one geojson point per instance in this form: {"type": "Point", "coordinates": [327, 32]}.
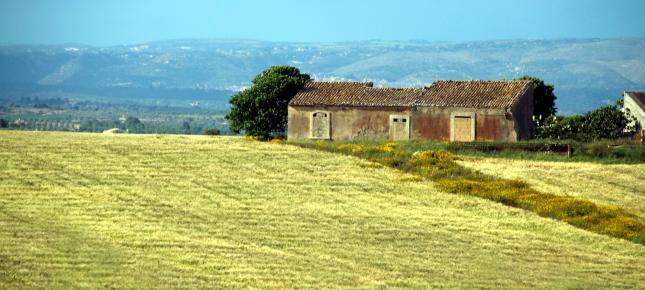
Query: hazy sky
{"type": "Point", "coordinates": [113, 22]}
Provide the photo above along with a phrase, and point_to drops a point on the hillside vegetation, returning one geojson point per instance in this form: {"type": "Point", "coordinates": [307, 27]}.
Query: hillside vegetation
{"type": "Point", "coordinates": [128, 211]}
{"type": "Point", "coordinates": [586, 72]}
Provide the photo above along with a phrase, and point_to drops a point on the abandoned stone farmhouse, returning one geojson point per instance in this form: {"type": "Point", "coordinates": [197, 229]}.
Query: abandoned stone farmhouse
{"type": "Point", "coordinates": [446, 110]}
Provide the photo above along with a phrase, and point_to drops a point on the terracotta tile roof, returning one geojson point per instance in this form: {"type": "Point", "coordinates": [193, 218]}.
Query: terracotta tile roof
{"type": "Point", "coordinates": [477, 94]}
{"type": "Point", "coordinates": [639, 97]}
{"type": "Point", "coordinates": [474, 94]}
{"type": "Point", "coordinates": [319, 93]}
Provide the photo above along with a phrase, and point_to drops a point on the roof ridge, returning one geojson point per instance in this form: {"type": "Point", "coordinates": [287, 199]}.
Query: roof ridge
{"type": "Point", "coordinates": [398, 88]}
{"type": "Point", "coordinates": [342, 82]}
{"type": "Point", "coordinates": [442, 93]}
{"type": "Point", "coordinates": [522, 92]}
{"type": "Point", "coordinates": [484, 81]}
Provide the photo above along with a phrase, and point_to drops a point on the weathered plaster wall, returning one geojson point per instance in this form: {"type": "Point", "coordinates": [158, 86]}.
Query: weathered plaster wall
{"type": "Point", "coordinates": [427, 123]}
{"type": "Point", "coordinates": [491, 127]}
{"type": "Point", "coordinates": [433, 123]}
{"type": "Point", "coordinates": [298, 125]}
{"type": "Point", "coordinates": [346, 123]}
{"type": "Point", "coordinates": [522, 113]}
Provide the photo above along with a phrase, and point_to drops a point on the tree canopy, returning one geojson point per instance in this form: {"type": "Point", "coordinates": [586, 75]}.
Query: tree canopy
{"type": "Point", "coordinates": [261, 110]}
{"type": "Point", "coordinates": [608, 122]}
{"type": "Point", "coordinates": [543, 98]}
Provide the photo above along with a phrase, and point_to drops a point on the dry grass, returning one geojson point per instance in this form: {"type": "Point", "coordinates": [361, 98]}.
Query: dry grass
{"type": "Point", "coordinates": [441, 166]}
{"type": "Point", "coordinates": [123, 211]}
{"type": "Point", "coordinates": [620, 185]}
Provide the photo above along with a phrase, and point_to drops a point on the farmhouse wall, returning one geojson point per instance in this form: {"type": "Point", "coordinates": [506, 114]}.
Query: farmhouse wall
{"type": "Point", "coordinates": [522, 114]}
{"type": "Point", "coordinates": [447, 111]}
{"type": "Point", "coordinates": [434, 123]}
{"type": "Point", "coordinates": [427, 123]}
{"type": "Point", "coordinates": [431, 124]}
{"type": "Point", "coordinates": [346, 123]}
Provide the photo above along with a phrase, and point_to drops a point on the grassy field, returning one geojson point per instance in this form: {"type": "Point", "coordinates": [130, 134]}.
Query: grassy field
{"type": "Point", "coordinates": [613, 184]}
{"type": "Point", "coordinates": [149, 211]}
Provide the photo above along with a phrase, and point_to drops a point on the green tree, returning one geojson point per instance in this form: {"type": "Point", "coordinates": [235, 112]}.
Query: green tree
{"type": "Point", "coordinates": [543, 98]}
{"type": "Point", "coordinates": [261, 110]}
{"type": "Point", "coordinates": [608, 122]}
{"type": "Point", "coordinates": [185, 127]}
{"type": "Point", "coordinates": [212, 131]}
{"type": "Point", "coordinates": [133, 124]}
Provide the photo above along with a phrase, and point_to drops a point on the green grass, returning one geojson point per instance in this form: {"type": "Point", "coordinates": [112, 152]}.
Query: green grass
{"type": "Point", "coordinates": [152, 211]}
{"type": "Point", "coordinates": [622, 151]}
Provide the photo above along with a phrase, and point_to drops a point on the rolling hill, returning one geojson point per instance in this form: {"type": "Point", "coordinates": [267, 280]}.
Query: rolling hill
{"type": "Point", "coordinates": [150, 211]}
{"type": "Point", "coordinates": [586, 72]}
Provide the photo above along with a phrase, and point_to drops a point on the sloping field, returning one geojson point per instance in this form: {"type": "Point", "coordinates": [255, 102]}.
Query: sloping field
{"type": "Point", "coordinates": [89, 210]}
{"type": "Point", "coordinates": [616, 184]}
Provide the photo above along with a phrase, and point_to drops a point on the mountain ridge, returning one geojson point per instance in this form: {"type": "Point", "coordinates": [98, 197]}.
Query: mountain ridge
{"type": "Point", "coordinates": [586, 72]}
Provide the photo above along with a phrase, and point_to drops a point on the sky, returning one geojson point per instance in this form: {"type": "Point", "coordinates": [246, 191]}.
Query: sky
{"type": "Point", "coordinates": [122, 22]}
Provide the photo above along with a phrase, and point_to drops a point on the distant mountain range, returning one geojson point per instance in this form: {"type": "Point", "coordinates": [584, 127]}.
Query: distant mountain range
{"type": "Point", "coordinates": [586, 72]}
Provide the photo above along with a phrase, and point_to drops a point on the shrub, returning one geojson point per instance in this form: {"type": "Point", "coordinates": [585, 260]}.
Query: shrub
{"type": "Point", "coordinates": [387, 147]}
{"type": "Point", "coordinates": [212, 132]}
{"type": "Point", "coordinates": [435, 157]}
{"type": "Point", "coordinates": [608, 122]}
{"type": "Point", "coordinates": [562, 127]}
{"type": "Point", "coordinates": [350, 148]}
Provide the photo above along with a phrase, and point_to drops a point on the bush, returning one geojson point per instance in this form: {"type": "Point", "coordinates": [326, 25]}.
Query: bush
{"type": "Point", "coordinates": [562, 127]}
{"type": "Point", "coordinates": [608, 122]}
{"type": "Point", "coordinates": [212, 132]}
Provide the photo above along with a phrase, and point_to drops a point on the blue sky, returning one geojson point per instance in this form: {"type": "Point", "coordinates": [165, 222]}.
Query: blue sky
{"type": "Point", "coordinates": [114, 22]}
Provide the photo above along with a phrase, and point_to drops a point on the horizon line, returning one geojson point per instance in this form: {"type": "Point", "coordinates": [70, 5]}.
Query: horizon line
{"type": "Point", "coordinates": [223, 39]}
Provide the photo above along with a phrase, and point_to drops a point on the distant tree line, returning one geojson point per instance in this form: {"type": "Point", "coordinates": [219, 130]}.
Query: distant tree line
{"type": "Point", "coordinates": [62, 114]}
{"type": "Point", "coordinates": [134, 125]}
{"type": "Point", "coordinates": [131, 125]}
